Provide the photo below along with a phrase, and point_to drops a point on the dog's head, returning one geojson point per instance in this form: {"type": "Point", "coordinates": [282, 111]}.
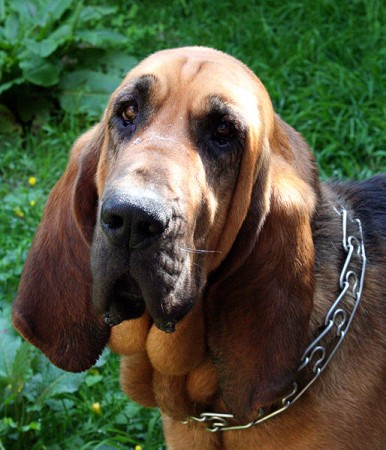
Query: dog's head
{"type": "Point", "coordinates": [171, 189]}
{"type": "Point", "coordinates": [177, 133]}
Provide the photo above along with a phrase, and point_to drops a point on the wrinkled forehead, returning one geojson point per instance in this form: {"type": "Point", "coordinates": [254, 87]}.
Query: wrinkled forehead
{"type": "Point", "coordinates": [195, 63]}
{"type": "Point", "coordinates": [196, 73]}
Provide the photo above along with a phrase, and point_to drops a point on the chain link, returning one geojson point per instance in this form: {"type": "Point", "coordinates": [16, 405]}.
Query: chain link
{"type": "Point", "coordinates": [317, 355]}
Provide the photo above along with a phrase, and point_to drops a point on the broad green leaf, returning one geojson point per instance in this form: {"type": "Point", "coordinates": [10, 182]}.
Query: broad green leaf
{"type": "Point", "coordinates": [31, 426]}
{"type": "Point", "coordinates": [96, 13]}
{"type": "Point", "coordinates": [40, 13]}
{"type": "Point", "coordinates": [50, 382]}
{"type": "Point", "coordinates": [21, 367]}
{"type": "Point", "coordinates": [2, 10]}
{"type": "Point", "coordinates": [102, 359]}
{"type": "Point", "coordinates": [119, 62]}
{"type": "Point", "coordinates": [9, 422]}
{"type": "Point", "coordinates": [11, 28]}
{"type": "Point", "coordinates": [93, 379]}
{"type": "Point", "coordinates": [101, 38]}
{"type": "Point", "coordinates": [110, 61]}
{"type": "Point", "coordinates": [131, 410]}
{"type": "Point", "coordinates": [87, 91]}
{"type": "Point", "coordinates": [3, 58]}
{"type": "Point", "coordinates": [47, 46]}
{"type": "Point", "coordinates": [106, 447]}
{"type": "Point", "coordinates": [62, 404]}
{"type": "Point", "coordinates": [9, 344]}
{"type": "Point", "coordinates": [26, 13]}
{"type": "Point", "coordinates": [26, 9]}
{"type": "Point", "coordinates": [51, 11]}
{"type": "Point", "coordinates": [38, 71]}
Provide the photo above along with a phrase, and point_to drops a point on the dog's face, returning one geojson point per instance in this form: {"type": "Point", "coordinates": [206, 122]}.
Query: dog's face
{"type": "Point", "coordinates": [189, 183]}
{"type": "Point", "coordinates": [178, 130]}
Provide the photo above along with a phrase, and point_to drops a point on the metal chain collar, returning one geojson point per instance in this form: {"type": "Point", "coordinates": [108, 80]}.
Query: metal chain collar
{"type": "Point", "coordinates": [317, 356]}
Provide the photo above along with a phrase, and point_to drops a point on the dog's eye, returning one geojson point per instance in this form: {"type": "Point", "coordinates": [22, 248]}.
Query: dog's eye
{"type": "Point", "coordinates": [223, 131]}
{"type": "Point", "coordinates": [130, 112]}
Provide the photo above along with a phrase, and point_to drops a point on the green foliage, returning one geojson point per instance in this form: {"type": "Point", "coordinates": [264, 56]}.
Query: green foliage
{"type": "Point", "coordinates": [86, 90]}
{"type": "Point", "coordinates": [59, 50]}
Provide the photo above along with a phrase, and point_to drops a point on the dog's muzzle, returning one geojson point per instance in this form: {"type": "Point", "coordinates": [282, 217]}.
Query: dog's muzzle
{"type": "Point", "coordinates": [136, 260]}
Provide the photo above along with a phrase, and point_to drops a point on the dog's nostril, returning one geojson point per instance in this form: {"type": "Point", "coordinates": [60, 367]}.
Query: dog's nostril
{"type": "Point", "coordinates": [148, 228]}
{"type": "Point", "coordinates": [144, 231]}
{"type": "Point", "coordinates": [113, 221]}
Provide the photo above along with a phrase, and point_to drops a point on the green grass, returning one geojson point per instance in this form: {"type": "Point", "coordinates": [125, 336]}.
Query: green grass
{"type": "Point", "coordinates": [321, 61]}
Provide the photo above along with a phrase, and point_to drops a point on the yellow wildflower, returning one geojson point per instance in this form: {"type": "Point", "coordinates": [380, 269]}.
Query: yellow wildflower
{"type": "Point", "coordinates": [32, 203]}
{"type": "Point", "coordinates": [138, 447]}
{"type": "Point", "coordinates": [32, 181]}
{"type": "Point", "coordinates": [96, 407]}
{"type": "Point", "coordinates": [18, 212]}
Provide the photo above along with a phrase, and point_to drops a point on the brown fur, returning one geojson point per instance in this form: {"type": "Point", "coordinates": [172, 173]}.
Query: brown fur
{"type": "Point", "coordinates": [256, 247]}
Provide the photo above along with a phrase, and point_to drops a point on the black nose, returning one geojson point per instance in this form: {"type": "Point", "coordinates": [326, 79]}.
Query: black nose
{"type": "Point", "coordinates": [136, 221]}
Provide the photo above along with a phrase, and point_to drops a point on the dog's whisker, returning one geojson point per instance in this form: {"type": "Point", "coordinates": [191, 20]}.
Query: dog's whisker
{"type": "Point", "coordinates": [198, 250]}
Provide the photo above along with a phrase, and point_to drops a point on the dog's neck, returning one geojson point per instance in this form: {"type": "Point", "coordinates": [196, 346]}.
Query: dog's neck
{"type": "Point", "coordinates": [328, 333]}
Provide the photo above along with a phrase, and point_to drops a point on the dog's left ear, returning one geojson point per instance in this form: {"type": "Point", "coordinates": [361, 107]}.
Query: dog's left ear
{"type": "Point", "coordinates": [261, 310]}
{"type": "Point", "coordinates": [53, 307]}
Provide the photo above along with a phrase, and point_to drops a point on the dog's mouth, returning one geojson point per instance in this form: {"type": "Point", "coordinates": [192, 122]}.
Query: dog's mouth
{"type": "Point", "coordinates": [159, 278]}
{"type": "Point", "coordinates": [124, 302]}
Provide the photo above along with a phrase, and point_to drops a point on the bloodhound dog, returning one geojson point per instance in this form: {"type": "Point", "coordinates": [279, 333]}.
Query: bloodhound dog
{"type": "Point", "coordinates": [191, 234]}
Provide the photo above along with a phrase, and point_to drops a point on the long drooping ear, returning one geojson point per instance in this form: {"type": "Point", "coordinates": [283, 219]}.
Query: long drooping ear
{"type": "Point", "coordinates": [260, 312]}
{"type": "Point", "coordinates": [53, 307]}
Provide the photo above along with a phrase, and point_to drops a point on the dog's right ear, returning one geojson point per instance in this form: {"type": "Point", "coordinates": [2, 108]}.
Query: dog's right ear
{"type": "Point", "coordinates": [261, 311]}
{"type": "Point", "coordinates": [53, 308]}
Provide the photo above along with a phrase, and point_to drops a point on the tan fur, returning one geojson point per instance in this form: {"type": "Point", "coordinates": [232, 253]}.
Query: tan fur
{"type": "Point", "coordinates": [183, 350]}
{"type": "Point", "coordinates": [202, 383]}
{"type": "Point", "coordinates": [137, 378]}
{"type": "Point", "coordinates": [138, 329]}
